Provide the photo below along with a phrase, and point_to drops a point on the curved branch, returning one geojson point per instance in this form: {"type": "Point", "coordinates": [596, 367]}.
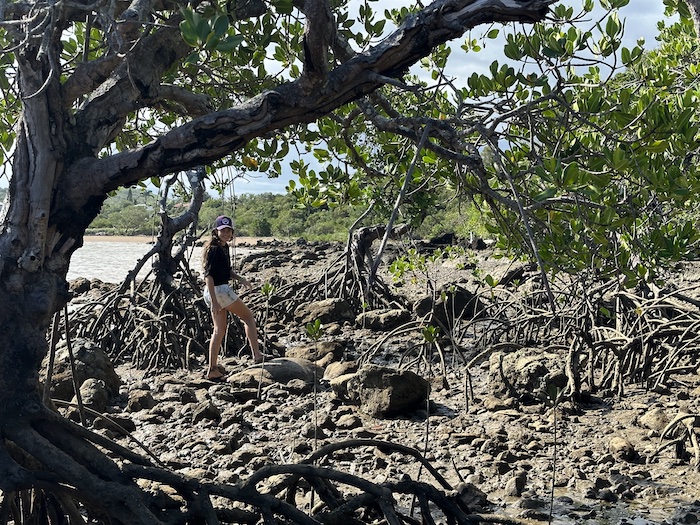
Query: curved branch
{"type": "Point", "coordinates": [214, 136]}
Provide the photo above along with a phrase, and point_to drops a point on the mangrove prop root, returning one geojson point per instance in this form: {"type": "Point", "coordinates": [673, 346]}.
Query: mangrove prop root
{"type": "Point", "coordinates": [64, 472]}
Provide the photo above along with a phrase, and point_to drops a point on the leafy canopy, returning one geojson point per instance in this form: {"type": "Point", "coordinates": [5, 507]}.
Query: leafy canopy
{"type": "Point", "coordinates": [576, 148]}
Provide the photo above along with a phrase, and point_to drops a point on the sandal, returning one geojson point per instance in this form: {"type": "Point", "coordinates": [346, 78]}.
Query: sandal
{"type": "Point", "coordinates": [216, 379]}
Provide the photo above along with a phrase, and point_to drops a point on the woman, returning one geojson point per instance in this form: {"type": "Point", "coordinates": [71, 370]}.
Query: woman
{"type": "Point", "coordinates": [221, 298]}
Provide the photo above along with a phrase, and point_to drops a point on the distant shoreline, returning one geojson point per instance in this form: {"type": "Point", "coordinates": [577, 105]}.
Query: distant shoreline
{"type": "Point", "coordinates": [147, 239]}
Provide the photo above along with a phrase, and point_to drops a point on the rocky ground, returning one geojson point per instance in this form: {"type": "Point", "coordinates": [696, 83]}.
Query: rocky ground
{"type": "Point", "coordinates": [598, 461]}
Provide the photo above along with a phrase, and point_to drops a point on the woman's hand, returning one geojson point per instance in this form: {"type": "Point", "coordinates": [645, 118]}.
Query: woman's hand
{"type": "Point", "coordinates": [215, 306]}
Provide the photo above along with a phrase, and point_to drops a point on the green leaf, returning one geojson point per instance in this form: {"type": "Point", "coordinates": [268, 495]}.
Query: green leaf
{"type": "Point", "coordinates": [220, 25]}
{"type": "Point", "coordinates": [546, 194]}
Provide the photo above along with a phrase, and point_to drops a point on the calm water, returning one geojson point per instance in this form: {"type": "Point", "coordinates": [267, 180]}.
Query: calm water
{"type": "Point", "coordinates": [110, 261]}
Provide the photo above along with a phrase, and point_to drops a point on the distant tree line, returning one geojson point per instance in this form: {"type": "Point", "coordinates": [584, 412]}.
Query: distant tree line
{"type": "Point", "coordinates": [134, 211]}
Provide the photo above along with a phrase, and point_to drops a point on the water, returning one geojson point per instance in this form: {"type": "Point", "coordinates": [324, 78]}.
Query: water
{"type": "Point", "coordinates": [108, 261]}
{"type": "Point", "coordinates": [112, 258]}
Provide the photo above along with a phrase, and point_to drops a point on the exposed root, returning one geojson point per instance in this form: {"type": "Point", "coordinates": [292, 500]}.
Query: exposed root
{"type": "Point", "coordinates": [62, 475]}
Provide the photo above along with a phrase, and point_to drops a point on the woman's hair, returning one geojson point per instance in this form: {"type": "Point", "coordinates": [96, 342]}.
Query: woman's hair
{"type": "Point", "coordinates": [213, 242]}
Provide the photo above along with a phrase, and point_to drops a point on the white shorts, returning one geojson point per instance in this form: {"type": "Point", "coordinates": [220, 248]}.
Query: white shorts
{"type": "Point", "coordinates": [224, 294]}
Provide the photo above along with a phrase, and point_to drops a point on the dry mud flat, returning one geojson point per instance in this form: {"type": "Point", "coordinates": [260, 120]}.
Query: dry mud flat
{"type": "Point", "coordinates": [596, 462]}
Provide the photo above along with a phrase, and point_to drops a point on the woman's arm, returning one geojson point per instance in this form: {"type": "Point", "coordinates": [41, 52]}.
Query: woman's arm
{"type": "Point", "coordinates": [236, 277]}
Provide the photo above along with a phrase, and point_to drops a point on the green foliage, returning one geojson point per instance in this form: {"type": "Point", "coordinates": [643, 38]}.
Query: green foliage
{"type": "Point", "coordinates": [130, 211]}
{"type": "Point", "coordinates": [315, 330]}
{"type": "Point", "coordinates": [570, 148]}
{"type": "Point", "coordinates": [264, 215]}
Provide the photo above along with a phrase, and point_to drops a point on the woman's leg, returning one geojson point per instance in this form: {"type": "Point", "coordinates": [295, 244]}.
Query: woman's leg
{"type": "Point", "coordinates": [217, 337]}
{"type": "Point", "coordinates": [239, 308]}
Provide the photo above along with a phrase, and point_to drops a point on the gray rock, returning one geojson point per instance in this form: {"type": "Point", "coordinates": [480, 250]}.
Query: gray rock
{"type": "Point", "coordinates": [94, 395]}
{"type": "Point", "coordinates": [516, 484]}
{"type": "Point", "coordinates": [140, 400]}
{"type": "Point", "coordinates": [383, 320]}
{"type": "Point", "coordinates": [205, 411]}
{"type": "Point", "coordinates": [278, 370]}
{"type": "Point", "coordinates": [327, 311]}
{"type": "Point", "coordinates": [326, 351]}
{"type": "Point", "coordinates": [526, 374]}
{"type": "Point", "coordinates": [90, 362]}
{"type": "Point", "coordinates": [339, 368]}
{"type": "Point", "coordinates": [381, 391]}
{"type": "Point", "coordinates": [621, 448]}
{"type": "Point", "coordinates": [655, 419]}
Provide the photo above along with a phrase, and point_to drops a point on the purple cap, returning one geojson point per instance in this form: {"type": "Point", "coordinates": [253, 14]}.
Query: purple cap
{"type": "Point", "coordinates": [223, 222]}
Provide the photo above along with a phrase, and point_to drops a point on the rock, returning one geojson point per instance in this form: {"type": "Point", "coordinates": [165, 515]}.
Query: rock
{"type": "Point", "coordinates": [90, 362]}
{"type": "Point", "coordinates": [621, 448]}
{"type": "Point", "coordinates": [326, 311]}
{"type": "Point", "coordinates": [607, 495]}
{"type": "Point", "coordinates": [94, 395]}
{"type": "Point", "coordinates": [383, 320]}
{"type": "Point", "coordinates": [338, 369]}
{"type": "Point", "coordinates": [381, 391]}
{"type": "Point", "coordinates": [531, 503]}
{"type": "Point", "coordinates": [472, 497]}
{"type": "Point", "coordinates": [516, 484]}
{"type": "Point", "coordinates": [140, 400]}
{"type": "Point", "coordinates": [348, 422]}
{"type": "Point", "coordinates": [526, 374]}
{"type": "Point", "coordinates": [495, 404]}
{"type": "Point", "coordinates": [205, 411]}
{"type": "Point", "coordinates": [318, 351]}
{"type": "Point", "coordinates": [79, 286]}
{"type": "Point", "coordinates": [298, 387]}
{"type": "Point", "coordinates": [278, 370]}
{"type": "Point", "coordinates": [119, 424]}
{"type": "Point", "coordinates": [655, 419]}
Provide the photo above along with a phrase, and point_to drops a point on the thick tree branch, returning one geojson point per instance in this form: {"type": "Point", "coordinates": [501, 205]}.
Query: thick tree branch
{"type": "Point", "coordinates": [87, 76]}
{"type": "Point", "coordinates": [182, 101]}
{"type": "Point", "coordinates": [319, 33]}
{"type": "Point", "coordinates": [694, 8]}
{"type": "Point", "coordinates": [216, 135]}
{"type": "Point", "coordinates": [134, 84]}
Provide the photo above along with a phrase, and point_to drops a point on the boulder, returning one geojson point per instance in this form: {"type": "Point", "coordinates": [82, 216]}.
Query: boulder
{"type": "Point", "coordinates": [94, 395]}
{"type": "Point", "coordinates": [90, 362]}
{"type": "Point", "coordinates": [140, 400]}
{"type": "Point", "coordinates": [527, 374]}
{"type": "Point", "coordinates": [655, 419]}
{"type": "Point", "coordinates": [339, 368]}
{"type": "Point", "coordinates": [327, 311]}
{"type": "Point", "coordinates": [318, 351]}
{"type": "Point", "coordinates": [381, 391]}
{"type": "Point", "coordinates": [383, 320]}
{"type": "Point", "coordinates": [279, 370]}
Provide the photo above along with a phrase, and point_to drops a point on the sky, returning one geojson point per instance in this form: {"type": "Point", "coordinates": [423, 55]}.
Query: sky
{"type": "Point", "coordinates": [641, 22]}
